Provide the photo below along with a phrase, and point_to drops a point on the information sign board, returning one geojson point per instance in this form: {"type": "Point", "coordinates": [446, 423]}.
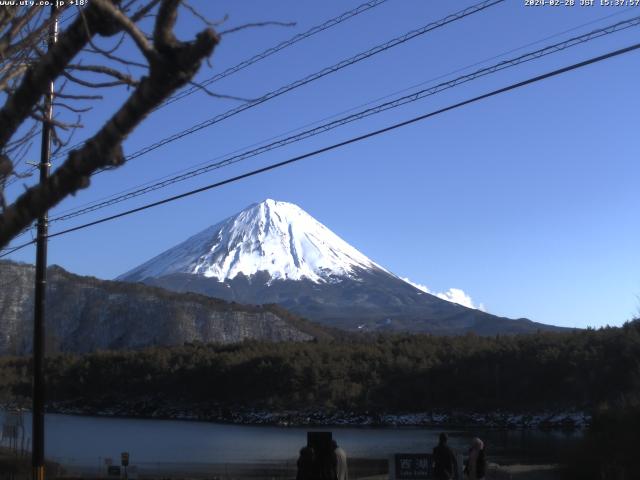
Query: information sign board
{"type": "Point", "coordinates": [412, 466]}
{"type": "Point", "coordinates": [113, 470]}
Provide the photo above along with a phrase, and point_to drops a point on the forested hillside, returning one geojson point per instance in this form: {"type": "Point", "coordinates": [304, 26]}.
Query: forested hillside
{"type": "Point", "coordinates": [390, 373]}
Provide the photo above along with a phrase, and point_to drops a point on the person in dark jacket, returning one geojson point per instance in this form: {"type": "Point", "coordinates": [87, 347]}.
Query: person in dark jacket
{"type": "Point", "coordinates": [306, 464]}
{"type": "Point", "coordinates": [444, 461]}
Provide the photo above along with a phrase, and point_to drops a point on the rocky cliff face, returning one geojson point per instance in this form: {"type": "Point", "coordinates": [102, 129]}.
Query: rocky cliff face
{"type": "Point", "coordinates": [16, 303]}
{"type": "Point", "coordinates": [85, 314]}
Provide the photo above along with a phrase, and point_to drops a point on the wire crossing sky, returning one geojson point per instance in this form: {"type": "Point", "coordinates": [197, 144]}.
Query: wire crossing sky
{"type": "Point", "coordinates": [341, 144]}
{"type": "Point", "coordinates": [261, 56]}
{"type": "Point", "coordinates": [524, 201]}
{"type": "Point", "coordinates": [394, 42]}
{"type": "Point", "coordinates": [635, 21]}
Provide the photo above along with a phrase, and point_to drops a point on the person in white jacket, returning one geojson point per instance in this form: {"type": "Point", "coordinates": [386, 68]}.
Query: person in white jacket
{"type": "Point", "coordinates": [340, 462]}
{"type": "Point", "coordinates": [477, 464]}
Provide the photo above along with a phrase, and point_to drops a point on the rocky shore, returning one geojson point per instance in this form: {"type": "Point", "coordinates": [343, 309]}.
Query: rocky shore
{"type": "Point", "coordinates": [565, 419]}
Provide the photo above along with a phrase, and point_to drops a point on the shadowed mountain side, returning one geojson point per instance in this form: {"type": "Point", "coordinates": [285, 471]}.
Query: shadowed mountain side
{"type": "Point", "coordinates": [86, 314]}
{"type": "Point", "coordinates": [275, 252]}
{"type": "Point", "coordinates": [373, 300]}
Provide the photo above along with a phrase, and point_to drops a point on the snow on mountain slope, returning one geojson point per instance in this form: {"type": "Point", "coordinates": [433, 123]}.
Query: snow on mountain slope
{"type": "Point", "coordinates": [277, 237]}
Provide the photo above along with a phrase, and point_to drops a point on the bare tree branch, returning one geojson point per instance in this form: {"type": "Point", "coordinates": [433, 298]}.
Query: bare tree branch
{"type": "Point", "coordinates": [28, 41]}
{"type": "Point", "coordinates": [66, 106]}
{"type": "Point", "coordinates": [110, 51]}
{"type": "Point", "coordinates": [172, 64]}
{"type": "Point", "coordinates": [117, 58]}
{"type": "Point", "coordinates": [6, 15]}
{"type": "Point", "coordinates": [90, 84]}
{"type": "Point", "coordinates": [59, 142]}
{"type": "Point", "coordinates": [112, 72]}
{"type": "Point", "coordinates": [201, 17]}
{"type": "Point", "coordinates": [53, 122]}
{"type": "Point", "coordinates": [27, 136]}
{"type": "Point", "coordinates": [163, 38]}
{"type": "Point", "coordinates": [19, 154]}
{"type": "Point", "coordinates": [36, 80]}
{"type": "Point", "coordinates": [19, 23]}
{"type": "Point", "coordinates": [128, 26]}
{"type": "Point", "coordinates": [144, 10]}
{"type": "Point", "coordinates": [78, 97]}
{"type": "Point", "coordinates": [14, 73]}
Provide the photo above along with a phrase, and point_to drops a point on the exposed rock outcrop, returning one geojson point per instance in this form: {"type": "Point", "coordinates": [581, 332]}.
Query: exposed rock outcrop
{"type": "Point", "coordinates": [86, 314]}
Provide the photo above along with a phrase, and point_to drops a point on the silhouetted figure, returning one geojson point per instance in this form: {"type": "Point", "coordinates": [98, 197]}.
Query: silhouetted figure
{"type": "Point", "coordinates": [444, 460]}
{"type": "Point", "coordinates": [477, 462]}
{"type": "Point", "coordinates": [323, 457]}
{"type": "Point", "coordinates": [306, 464]}
{"type": "Point", "coordinates": [340, 462]}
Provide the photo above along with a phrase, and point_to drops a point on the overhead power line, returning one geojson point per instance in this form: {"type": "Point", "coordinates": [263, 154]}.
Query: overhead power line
{"type": "Point", "coordinates": [270, 51]}
{"type": "Point", "coordinates": [359, 138]}
{"type": "Point", "coordinates": [421, 94]}
{"type": "Point", "coordinates": [8, 251]}
{"type": "Point", "coordinates": [335, 115]}
{"type": "Point", "coordinates": [313, 77]}
{"type": "Point", "coordinates": [616, 13]}
{"type": "Point", "coordinates": [332, 22]}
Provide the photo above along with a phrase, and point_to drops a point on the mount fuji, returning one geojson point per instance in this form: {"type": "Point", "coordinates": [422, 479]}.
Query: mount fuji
{"type": "Point", "coordinates": [277, 238]}
{"type": "Point", "coordinates": [274, 252]}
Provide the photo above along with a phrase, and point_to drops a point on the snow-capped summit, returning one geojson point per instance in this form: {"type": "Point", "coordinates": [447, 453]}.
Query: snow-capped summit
{"type": "Point", "coordinates": [274, 252]}
{"type": "Point", "coordinates": [275, 237]}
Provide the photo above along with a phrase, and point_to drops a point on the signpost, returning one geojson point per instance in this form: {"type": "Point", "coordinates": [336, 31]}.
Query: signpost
{"type": "Point", "coordinates": [132, 472]}
{"type": "Point", "coordinates": [124, 460]}
{"type": "Point", "coordinates": [113, 471]}
{"type": "Point", "coordinates": [411, 466]}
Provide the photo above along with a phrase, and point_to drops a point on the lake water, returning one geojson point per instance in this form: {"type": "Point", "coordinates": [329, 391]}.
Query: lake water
{"type": "Point", "coordinates": [82, 443]}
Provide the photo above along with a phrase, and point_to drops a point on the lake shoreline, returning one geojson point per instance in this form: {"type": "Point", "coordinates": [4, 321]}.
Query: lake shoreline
{"type": "Point", "coordinates": [567, 420]}
{"type": "Point", "coordinates": [188, 448]}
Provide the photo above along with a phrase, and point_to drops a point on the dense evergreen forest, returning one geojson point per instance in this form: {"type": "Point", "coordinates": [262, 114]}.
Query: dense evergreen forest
{"type": "Point", "coordinates": [391, 373]}
{"type": "Point", "coordinates": [597, 371]}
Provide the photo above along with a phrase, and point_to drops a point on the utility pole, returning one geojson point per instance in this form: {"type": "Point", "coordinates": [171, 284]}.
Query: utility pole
{"type": "Point", "coordinates": [37, 453]}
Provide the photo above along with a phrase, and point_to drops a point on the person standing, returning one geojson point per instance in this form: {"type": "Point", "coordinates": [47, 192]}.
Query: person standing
{"type": "Point", "coordinates": [477, 462]}
{"type": "Point", "coordinates": [340, 462]}
{"type": "Point", "coordinates": [444, 460]}
{"type": "Point", "coordinates": [306, 467]}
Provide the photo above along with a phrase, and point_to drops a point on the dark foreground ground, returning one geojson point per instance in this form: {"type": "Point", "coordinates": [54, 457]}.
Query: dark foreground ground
{"type": "Point", "coordinates": [14, 467]}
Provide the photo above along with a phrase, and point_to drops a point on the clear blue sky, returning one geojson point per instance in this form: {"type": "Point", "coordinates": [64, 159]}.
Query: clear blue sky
{"type": "Point", "coordinates": [528, 201]}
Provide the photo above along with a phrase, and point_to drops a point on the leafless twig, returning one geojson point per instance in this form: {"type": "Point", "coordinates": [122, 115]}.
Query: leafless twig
{"type": "Point", "coordinates": [104, 70]}
{"type": "Point", "coordinates": [170, 65]}
{"type": "Point", "coordinates": [220, 95]}
{"type": "Point", "coordinates": [201, 17]}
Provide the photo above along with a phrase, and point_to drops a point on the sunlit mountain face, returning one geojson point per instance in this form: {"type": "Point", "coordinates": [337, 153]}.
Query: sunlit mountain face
{"type": "Point", "coordinates": [275, 252]}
